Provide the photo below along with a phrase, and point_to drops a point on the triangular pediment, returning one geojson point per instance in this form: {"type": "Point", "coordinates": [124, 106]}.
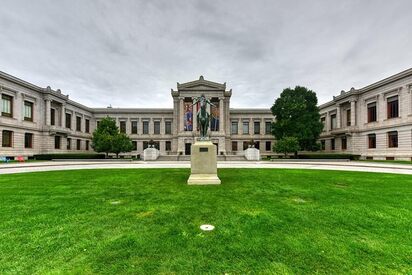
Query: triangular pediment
{"type": "Point", "coordinates": [201, 84]}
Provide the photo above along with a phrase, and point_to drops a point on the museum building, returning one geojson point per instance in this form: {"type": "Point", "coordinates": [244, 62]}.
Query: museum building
{"type": "Point", "coordinates": [37, 120]}
{"type": "Point", "coordinates": [374, 121]}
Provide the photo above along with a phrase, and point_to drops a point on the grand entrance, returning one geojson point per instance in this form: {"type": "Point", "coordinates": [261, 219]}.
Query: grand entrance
{"type": "Point", "coordinates": [188, 147]}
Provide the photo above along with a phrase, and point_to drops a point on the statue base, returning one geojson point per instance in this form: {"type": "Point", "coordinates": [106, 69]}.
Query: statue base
{"type": "Point", "coordinates": [203, 164]}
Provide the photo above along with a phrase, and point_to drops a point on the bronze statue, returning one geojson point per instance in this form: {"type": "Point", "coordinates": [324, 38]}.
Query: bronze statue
{"type": "Point", "coordinates": [203, 117]}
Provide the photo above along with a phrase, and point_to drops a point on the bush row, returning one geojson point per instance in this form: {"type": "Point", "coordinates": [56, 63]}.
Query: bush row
{"type": "Point", "coordinates": [69, 156]}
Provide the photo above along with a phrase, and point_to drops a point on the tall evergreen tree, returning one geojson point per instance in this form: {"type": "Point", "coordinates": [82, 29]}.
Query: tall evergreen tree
{"type": "Point", "coordinates": [297, 115]}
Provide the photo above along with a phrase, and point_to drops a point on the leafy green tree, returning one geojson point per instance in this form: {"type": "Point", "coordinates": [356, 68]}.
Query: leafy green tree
{"type": "Point", "coordinates": [107, 138]}
{"type": "Point", "coordinates": [297, 115]}
{"type": "Point", "coordinates": [121, 143]}
{"type": "Point", "coordinates": [286, 145]}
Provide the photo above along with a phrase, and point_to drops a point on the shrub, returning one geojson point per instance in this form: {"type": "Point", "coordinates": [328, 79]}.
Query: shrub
{"type": "Point", "coordinates": [68, 156]}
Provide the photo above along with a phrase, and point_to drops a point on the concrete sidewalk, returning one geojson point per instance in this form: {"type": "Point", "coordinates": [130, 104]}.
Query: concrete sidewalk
{"type": "Point", "coordinates": [12, 168]}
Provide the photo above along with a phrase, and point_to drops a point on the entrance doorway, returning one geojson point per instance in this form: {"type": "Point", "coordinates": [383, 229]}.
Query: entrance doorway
{"type": "Point", "coordinates": [188, 147]}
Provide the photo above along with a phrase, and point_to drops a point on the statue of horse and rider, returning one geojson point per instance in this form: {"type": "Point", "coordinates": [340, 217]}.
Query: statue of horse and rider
{"type": "Point", "coordinates": [202, 116]}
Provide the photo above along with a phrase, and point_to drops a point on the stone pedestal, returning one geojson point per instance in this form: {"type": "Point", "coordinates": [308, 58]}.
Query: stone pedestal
{"type": "Point", "coordinates": [150, 154]}
{"type": "Point", "coordinates": [203, 164]}
{"type": "Point", "coordinates": [252, 154]}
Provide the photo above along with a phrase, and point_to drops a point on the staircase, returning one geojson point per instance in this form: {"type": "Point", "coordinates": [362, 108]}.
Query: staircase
{"type": "Point", "coordinates": [187, 158]}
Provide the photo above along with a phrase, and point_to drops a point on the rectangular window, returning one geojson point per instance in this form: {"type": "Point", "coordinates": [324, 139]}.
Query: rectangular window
{"type": "Point", "coordinates": [78, 144]}
{"type": "Point", "coordinates": [87, 122]}
{"type": "Point", "coordinates": [168, 127]}
{"type": "Point", "coordinates": [28, 140]}
{"type": "Point", "coordinates": [7, 138]}
{"type": "Point", "coordinates": [7, 105]}
{"type": "Point", "coordinates": [78, 123]}
{"type": "Point", "coordinates": [122, 126]}
{"type": "Point", "coordinates": [268, 127]}
{"type": "Point", "coordinates": [245, 145]}
{"type": "Point", "coordinates": [371, 141]}
{"type": "Point", "coordinates": [322, 145]}
{"type": "Point", "coordinates": [145, 127]}
{"type": "Point", "coordinates": [333, 122]}
{"type": "Point", "coordinates": [393, 139]}
{"type": "Point", "coordinates": [344, 143]}
{"type": "Point", "coordinates": [87, 145]}
{"type": "Point", "coordinates": [157, 127]}
{"type": "Point", "coordinates": [256, 127]}
{"type": "Point", "coordinates": [69, 143]}
{"type": "Point", "coordinates": [245, 127]}
{"type": "Point", "coordinates": [97, 123]}
{"type": "Point", "coordinates": [134, 143]}
{"type": "Point", "coordinates": [257, 145]}
{"type": "Point", "coordinates": [268, 146]}
{"type": "Point", "coordinates": [348, 118]}
{"type": "Point", "coordinates": [372, 112]}
{"type": "Point", "coordinates": [134, 127]}
{"type": "Point", "coordinates": [235, 128]}
{"type": "Point", "coordinates": [28, 111]}
{"type": "Point", "coordinates": [57, 140]}
{"type": "Point", "coordinates": [168, 146]}
{"type": "Point", "coordinates": [234, 146]}
{"type": "Point", "coordinates": [145, 144]}
{"type": "Point", "coordinates": [323, 121]}
{"type": "Point", "coordinates": [393, 107]}
{"type": "Point", "coordinates": [68, 121]}
{"type": "Point", "coordinates": [332, 144]}
{"type": "Point", "coordinates": [52, 116]}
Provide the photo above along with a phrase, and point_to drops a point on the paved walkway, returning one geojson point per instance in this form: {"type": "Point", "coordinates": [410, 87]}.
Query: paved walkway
{"type": "Point", "coordinates": [12, 168]}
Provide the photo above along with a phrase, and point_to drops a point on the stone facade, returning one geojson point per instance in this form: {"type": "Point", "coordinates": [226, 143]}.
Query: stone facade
{"type": "Point", "coordinates": [173, 130]}
{"type": "Point", "coordinates": [374, 121]}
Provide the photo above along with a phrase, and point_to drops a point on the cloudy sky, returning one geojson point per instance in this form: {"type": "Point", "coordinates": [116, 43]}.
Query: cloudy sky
{"type": "Point", "coordinates": [131, 53]}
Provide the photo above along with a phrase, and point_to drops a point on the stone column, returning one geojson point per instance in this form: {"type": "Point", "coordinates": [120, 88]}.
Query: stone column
{"type": "Point", "coordinates": [63, 116]}
{"type": "Point", "coordinates": [240, 126]}
{"type": "Point", "coordinates": [181, 112]}
{"type": "Point", "coordinates": [353, 113]}
{"type": "Point", "coordinates": [338, 117]}
{"type": "Point", "coordinates": [221, 115]}
{"type": "Point", "coordinates": [194, 118]}
{"type": "Point", "coordinates": [251, 127]}
{"type": "Point", "coordinates": [48, 107]}
{"type": "Point", "coordinates": [18, 107]}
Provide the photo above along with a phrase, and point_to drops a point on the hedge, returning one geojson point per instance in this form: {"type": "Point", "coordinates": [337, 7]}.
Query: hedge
{"type": "Point", "coordinates": [69, 156]}
{"type": "Point", "coordinates": [328, 156]}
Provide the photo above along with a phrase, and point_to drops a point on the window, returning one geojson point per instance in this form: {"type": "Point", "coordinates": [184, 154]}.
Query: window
{"type": "Point", "coordinates": [78, 144]}
{"type": "Point", "coordinates": [234, 128]}
{"type": "Point", "coordinates": [168, 127]}
{"type": "Point", "coordinates": [371, 141]}
{"type": "Point", "coordinates": [333, 122]}
{"type": "Point", "coordinates": [332, 144]}
{"type": "Point", "coordinates": [57, 140]}
{"type": "Point", "coordinates": [245, 127]}
{"type": "Point", "coordinates": [134, 143]}
{"type": "Point", "coordinates": [28, 111]}
{"type": "Point", "coordinates": [256, 127]}
{"type": "Point", "coordinates": [343, 143]}
{"type": "Point", "coordinates": [122, 126]}
{"type": "Point", "coordinates": [145, 144]}
{"type": "Point", "coordinates": [268, 127]}
{"type": "Point", "coordinates": [145, 127]}
{"type": "Point", "coordinates": [234, 146]}
{"type": "Point", "coordinates": [322, 145]}
{"type": "Point", "coordinates": [245, 145]}
{"type": "Point", "coordinates": [134, 127]}
{"type": "Point", "coordinates": [157, 127]}
{"type": "Point", "coordinates": [78, 123]}
{"type": "Point", "coordinates": [393, 107]}
{"type": "Point", "coordinates": [168, 146]}
{"type": "Point", "coordinates": [7, 105]}
{"type": "Point", "coordinates": [87, 122]}
{"type": "Point", "coordinates": [28, 140]}
{"type": "Point", "coordinates": [257, 145]}
{"type": "Point", "coordinates": [52, 116]}
{"type": "Point", "coordinates": [97, 123]}
{"type": "Point", "coordinates": [87, 145]}
{"type": "Point", "coordinates": [268, 146]}
{"type": "Point", "coordinates": [323, 121]}
{"type": "Point", "coordinates": [69, 143]}
{"type": "Point", "coordinates": [68, 121]}
{"type": "Point", "coordinates": [7, 138]}
{"type": "Point", "coordinates": [348, 117]}
{"type": "Point", "coordinates": [393, 139]}
{"type": "Point", "coordinates": [372, 112]}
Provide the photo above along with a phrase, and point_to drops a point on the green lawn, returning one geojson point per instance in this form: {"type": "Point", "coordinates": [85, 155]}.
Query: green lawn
{"type": "Point", "coordinates": [146, 221]}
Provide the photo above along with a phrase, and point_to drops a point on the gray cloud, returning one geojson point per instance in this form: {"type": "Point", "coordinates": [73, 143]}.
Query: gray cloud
{"type": "Point", "coordinates": [130, 53]}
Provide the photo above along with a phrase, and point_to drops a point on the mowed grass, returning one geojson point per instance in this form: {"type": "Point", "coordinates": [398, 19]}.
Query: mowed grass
{"type": "Point", "coordinates": [146, 221]}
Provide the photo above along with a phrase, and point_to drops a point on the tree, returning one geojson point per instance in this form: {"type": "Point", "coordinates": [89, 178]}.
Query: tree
{"type": "Point", "coordinates": [297, 115]}
{"type": "Point", "coordinates": [286, 145]}
{"type": "Point", "coordinates": [107, 138]}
